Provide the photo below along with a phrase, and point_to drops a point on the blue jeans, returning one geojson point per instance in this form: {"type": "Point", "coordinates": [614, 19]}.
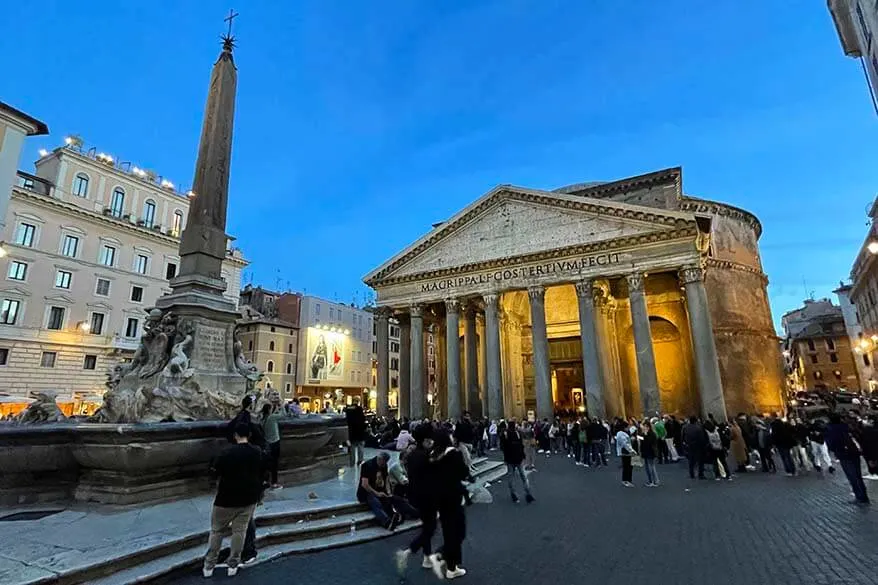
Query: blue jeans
{"type": "Point", "coordinates": [380, 507]}
{"type": "Point", "coordinates": [517, 470]}
{"type": "Point", "coordinates": [651, 473]}
{"type": "Point", "coordinates": [854, 473]}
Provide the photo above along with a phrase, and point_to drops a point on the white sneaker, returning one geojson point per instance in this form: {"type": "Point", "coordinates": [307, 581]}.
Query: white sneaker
{"type": "Point", "coordinates": [208, 573]}
{"type": "Point", "coordinates": [402, 560]}
{"type": "Point", "coordinates": [426, 564]}
{"type": "Point", "coordinates": [458, 572]}
{"type": "Point", "coordinates": [233, 571]}
{"type": "Point", "coordinates": [437, 565]}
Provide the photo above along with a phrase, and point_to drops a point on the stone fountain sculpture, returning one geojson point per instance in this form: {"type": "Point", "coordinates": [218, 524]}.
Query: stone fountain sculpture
{"type": "Point", "coordinates": [189, 365]}
{"type": "Point", "coordinates": [43, 410]}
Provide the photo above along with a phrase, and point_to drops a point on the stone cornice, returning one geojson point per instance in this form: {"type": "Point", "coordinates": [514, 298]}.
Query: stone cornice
{"type": "Point", "coordinates": [581, 249]}
{"type": "Point", "coordinates": [601, 190]}
{"type": "Point", "coordinates": [665, 218]}
{"type": "Point", "coordinates": [729, 265]}
{"type": "Point", "coordinates": [697, 205]}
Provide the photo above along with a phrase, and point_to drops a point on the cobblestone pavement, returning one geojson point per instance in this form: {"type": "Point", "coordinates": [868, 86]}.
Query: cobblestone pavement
{"type": "Point", "coordinates": [586, 527]}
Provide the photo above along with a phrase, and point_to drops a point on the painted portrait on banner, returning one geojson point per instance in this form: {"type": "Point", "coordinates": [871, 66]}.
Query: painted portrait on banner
{"type": "Point", "coordinates": [325, 356]}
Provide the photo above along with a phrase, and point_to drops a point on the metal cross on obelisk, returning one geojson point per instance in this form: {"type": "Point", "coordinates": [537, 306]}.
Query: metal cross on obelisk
{"type": "Point", "coordinates": [228, 39]}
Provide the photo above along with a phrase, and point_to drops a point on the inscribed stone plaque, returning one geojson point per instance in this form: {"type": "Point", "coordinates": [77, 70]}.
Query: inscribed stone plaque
{"type": "Point", "coordinates": [210, 348]}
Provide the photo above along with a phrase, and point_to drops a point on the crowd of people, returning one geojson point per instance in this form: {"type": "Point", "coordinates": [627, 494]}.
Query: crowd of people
{"type": "Point", "coordinates": [427, 481]}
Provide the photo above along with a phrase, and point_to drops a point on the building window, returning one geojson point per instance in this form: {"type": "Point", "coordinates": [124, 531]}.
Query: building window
{"type": "Point", "coordinates": [394, 346]}
{"type": "Point", "coordinates": [117, 202]}
{"type": "Point", "coordinates": [289, 368]}
{"type": "Point", "coordinates": [108, 255]}
{"type": "Point", "coordinates": [24, 235]}
{"type": "Point", "coordinates": [394, 364]}
{"type": "Point", "coordinates": [830, 345]}
{"type": "Point", "coordinates": [317, 308]}
{"type": "Point", "coordinates": [96, 327]}
{"type": "Point", "coordinates": [250, 346]}
{"type": "Point", "coordinates": [47, 360]}
{"type": "Point", "coordinates": [270, 346]}
{"type": "Point", "coordinates": [90, 362]}
{"type": "Point", "coordinates": [811, 345]}
{"type": "Point", "coordinates": [80, 185]}
{"type": "Point", "coordinates": [9, 311]}
{"type": "Point", "coordinates": [4, 356]}
{"type": "Point", "coordinates": [56, 318]}
{"type": "Point", "coordinates": [70, 246]}
{"type": "Point", "coordinates": [269, 367]}
{"type": "Point", "coordinates": [170, 271]}
{"type": "Point", "coordinates": [290, 348]}
{"type": "Point", "coordinates": [833, 357]}
{"type": "Point", "coordinates": [131, 327]}
{"type": "Point", "coordinates": [866, 361]}
{"type": "Point", "coordinates": [102, 288]}
{"type": "Point", "coordinates": [17, 270]}
{"type": "Point", "coordinates": [178, 224]}
{"type": "Point", "coordinates": [288, 388]}
{"type": "Point", "coordinates": [374, 347]}
{"type": "Point", "coordinates": [273, 330]}
{"type": "Point", "coordinates": [814, 359]}
{"type": "Point", "coordinates": [331, 313]}
{"type": "Point", "coordinates": [149, 213]}
{"type": "Point", "coordinates": [62, 279]}
{"type": "Point", "coordinates": [136, 294]}
{"type": "Point", "coordinates": [141, 264]}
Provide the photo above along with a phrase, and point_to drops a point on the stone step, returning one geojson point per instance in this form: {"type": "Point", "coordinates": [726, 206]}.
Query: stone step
{"type": "Point", "coordinates": [295, 531]}
{"type": "Point", "coordinates": [271, 541]}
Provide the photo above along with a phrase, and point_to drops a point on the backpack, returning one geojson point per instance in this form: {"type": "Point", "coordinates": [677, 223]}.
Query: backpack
{"type": "Point", "coordinates": [716, 443]}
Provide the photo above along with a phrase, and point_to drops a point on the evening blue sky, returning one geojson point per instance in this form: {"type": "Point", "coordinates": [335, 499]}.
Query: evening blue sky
{"type": "Point", "coordinates": [359, 124]}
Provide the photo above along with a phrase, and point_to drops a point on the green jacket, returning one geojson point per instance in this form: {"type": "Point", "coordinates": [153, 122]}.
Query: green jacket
{"type": "Point", "coordinates": [660, 431]}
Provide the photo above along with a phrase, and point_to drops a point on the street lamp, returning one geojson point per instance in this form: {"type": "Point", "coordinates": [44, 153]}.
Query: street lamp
{"type": "Point", "coordinates": [872, 247]}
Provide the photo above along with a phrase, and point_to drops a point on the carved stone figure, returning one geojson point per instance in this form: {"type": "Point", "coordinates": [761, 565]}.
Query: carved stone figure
{"type": "Point", "coordinates": [244, 366]}
{"type": "Point", "coordinates": [178, 364]}
{"type": "Point", "coordinates": [42, 410]}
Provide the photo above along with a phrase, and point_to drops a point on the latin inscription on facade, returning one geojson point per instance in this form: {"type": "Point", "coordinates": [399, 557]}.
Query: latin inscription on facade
{"type": "Point", "coordinates": [560, 267]}
{"type": "Point", "coordinates": [210, 343]}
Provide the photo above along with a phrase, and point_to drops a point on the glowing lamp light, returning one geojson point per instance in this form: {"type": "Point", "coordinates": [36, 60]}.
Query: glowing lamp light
{"type": "Point", "coordinates": [43, 152]}
{"type": "Point", "coordinates": [875, 338]}
{"type": "Point", "coordinates": [85, 326]}
{"type": "Point", "coordinates": [872, 247]}
{"type": "Point", "coordinates": [347, 331]}
{"type": "Point", "coordinates": [373, 394]}
{"type": "Point", "coordinates": [864, 344]}
{"type": "Point", "coordinates": [858, 350]}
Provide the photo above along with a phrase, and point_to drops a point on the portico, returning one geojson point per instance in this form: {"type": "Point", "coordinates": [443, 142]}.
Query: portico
{"type": "Point", "coordinates": [551, 302]}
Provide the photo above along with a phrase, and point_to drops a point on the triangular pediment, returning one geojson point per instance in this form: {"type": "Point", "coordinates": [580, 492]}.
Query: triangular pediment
{"type": "Point", "coordinates": [59, 299]}
{"type": "Point", "coordinates": [511, 222]}
{"type": "Point", "coordinates": [15, 291]}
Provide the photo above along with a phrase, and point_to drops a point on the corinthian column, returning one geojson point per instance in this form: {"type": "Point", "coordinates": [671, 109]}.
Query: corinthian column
{"type": "Point", "coordinates": [492, 343]}
{"type": "Point", "coordinates": [646, 374]}
{"type": "Point", "coordinates": [416, 353]}
{"type": "Point", "coordinates": [471, 350]}
{"type": "Point", "coordinates": [591, 359]}
{"type": "Point", "coordinates": [710, 385]}
{"type": "Point", "coordinates": [452, 356]}
{"type": "Point", "coordinates": [383, 326]}
{"type": "Point", "coordinates": [542, 371]}
{"type": "Point", "coordinates": [405, 353]}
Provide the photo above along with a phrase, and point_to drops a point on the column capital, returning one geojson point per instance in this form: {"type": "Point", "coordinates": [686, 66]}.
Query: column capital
{"type": "Point", "coordinates": [452, 305]}
{"type": "Point", "coordinates": [690, 274]}
{"type": "Point", "coordinates": [536, 293]}
{"type": "Point", "coordinates": [469, 310]}
{"type": "Point", "coordinates": [491, 299]}
{"type": "Point", "coordinates": [417, 310]}
{"type": "Point", "coordinates": [584, 288]}
{"type": "Point", "coordinates": [383, 312]}
{"type": "Point", "coordinates": [635, 282]}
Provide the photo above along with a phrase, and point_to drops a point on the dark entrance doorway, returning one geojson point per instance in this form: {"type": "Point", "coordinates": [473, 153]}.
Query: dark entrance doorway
{"type": "Point", "coordinates": [568, 379]}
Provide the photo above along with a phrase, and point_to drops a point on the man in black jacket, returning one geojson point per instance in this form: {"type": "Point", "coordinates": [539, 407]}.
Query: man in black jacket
{"type": "Point", "coordinates": [240, 469]}
{"type": "Point", "coordinates": [695, 441]}
{"type": "Point", "coordinates": [356, 420]}
{"type": "Point", "coordinates": [513, 456]}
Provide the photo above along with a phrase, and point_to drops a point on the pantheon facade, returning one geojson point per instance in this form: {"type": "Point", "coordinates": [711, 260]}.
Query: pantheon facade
{"type": "Point", "coordinates": [617, 299]}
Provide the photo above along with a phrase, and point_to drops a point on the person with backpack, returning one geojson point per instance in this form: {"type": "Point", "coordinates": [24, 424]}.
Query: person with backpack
{"type": "Point", "coordinates": [513, 455]}
{"type": "Point", "coordinates": [717, 451]}
{"type": "Point", "coordinates": [841, 442]}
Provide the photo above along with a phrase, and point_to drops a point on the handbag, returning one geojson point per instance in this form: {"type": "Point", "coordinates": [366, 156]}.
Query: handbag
{"type": "Point", "coordinates": [636, 461]}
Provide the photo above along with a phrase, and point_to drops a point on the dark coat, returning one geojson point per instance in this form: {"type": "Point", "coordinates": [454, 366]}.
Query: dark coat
{"type": "Point", "coordinates": [356, 420]}
{"type": "Point", "coordinates": [513, 447]}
